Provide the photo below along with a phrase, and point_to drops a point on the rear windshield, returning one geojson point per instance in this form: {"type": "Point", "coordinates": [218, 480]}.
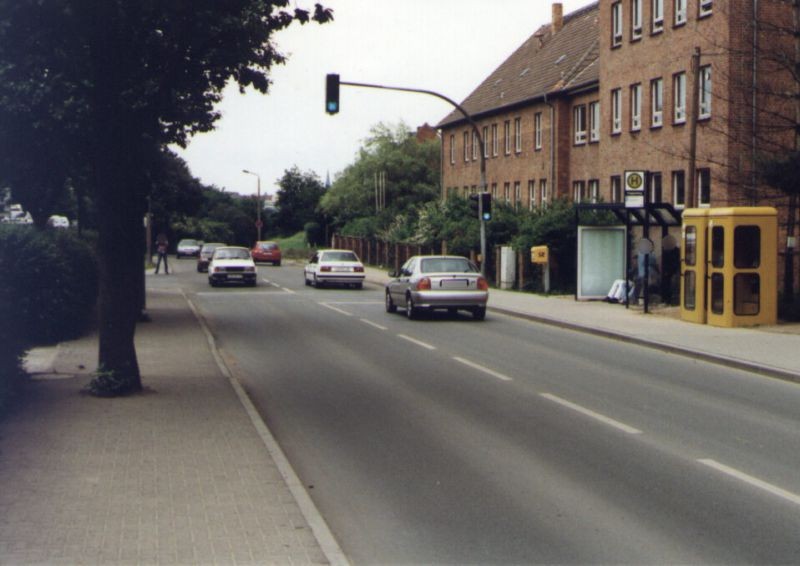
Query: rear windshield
{"type": "Point", "coordinates": [269, 246]}
{"type": "Point", "coordinates": [339, 256]}
{"type": "Point", "coordinates": [447, 264]}
{"type": "Point", "coordinates": [187, 243]}
{"type": "Point", "coordinates": [231, 254]}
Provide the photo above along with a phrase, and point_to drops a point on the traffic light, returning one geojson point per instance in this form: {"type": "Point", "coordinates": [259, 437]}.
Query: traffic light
{"type": "Point", "coordinates": [474, 204]}
{"type": "Point", "coordinates": [332, 93]}
{"type": "Point", "coordinates": [486, 206]}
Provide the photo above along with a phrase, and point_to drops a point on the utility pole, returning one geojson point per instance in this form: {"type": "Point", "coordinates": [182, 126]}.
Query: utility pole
{"type": "Point", "coordinates": [691, 192]}
{"type": "Point", "coordinates": [258, 203]}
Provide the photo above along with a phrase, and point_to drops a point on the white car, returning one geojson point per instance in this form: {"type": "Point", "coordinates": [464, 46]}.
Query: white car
{"type": "Point", "coordinates": [186, 247]}
{"type": "Point", "coordinates": [232, 264]}
{"type": "Point", "coordinates": [334, 267]}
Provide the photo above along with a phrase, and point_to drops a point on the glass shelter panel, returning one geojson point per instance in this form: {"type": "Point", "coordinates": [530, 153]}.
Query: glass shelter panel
{"type": "Point", "coordinates": [747, 247]}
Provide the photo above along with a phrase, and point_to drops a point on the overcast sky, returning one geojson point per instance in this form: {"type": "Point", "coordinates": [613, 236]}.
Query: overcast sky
{"type": "Point", "coordinates": [448, 46]}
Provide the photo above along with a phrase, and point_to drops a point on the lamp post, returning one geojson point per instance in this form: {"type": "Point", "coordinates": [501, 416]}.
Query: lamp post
{"type": "Point", "coordinates": [258, 200]}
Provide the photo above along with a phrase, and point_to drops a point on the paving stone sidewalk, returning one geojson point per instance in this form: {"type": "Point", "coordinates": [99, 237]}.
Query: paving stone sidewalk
{"type": "Point", "coordinates": [176, 475]}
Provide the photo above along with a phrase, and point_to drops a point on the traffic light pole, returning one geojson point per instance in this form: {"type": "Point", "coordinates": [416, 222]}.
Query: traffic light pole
{"type": "Point", "coordinates": [475, 130]}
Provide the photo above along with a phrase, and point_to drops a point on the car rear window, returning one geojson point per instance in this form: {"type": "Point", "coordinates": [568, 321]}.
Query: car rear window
{"type": "Point", "coordinates": [339, 256]}
{"type": "Point", "coordinates": [447, 264]}
{"type": "Point", "coordinates": [269, 246]}
{"type": "Point", "coordinates": [231, 254]}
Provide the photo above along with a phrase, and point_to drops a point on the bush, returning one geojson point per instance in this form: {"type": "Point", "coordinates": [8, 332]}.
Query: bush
{"type": "Point", "coordinates": [48, 289]}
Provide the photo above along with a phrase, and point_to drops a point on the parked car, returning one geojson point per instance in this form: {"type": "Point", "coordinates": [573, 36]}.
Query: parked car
{"type": "Point", "coordinates": [204, 257]}
{"type": "Point", "coordinates": [190, 248]}
{"type": "Point", "coordinates": [232, 264]}
{"type": "Point", "coordinates": [334, 267]}
{"type": "Point", "coordinates": [267, 252]}
{"type": "Point", "coordinates": [57, 221]}
{"type": "Point", "coordinates": [437, 282]}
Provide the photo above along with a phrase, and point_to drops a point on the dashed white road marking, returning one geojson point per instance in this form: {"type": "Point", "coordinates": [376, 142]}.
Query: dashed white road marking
{"type": "Point", "coordinates": [373, 324]}
{"type": "Point", "coordinates": [486, 370]}
{"type": "Point", "coordinates": [290, 291]}
{"type": "Point", "coordinates": [340, 311]}
{"type": "Point", "coordinates": [417, 342]}
{"type": "Point", "coordinates": [589, 413]}
{"type": "Point", "coordinates": [750, 480]}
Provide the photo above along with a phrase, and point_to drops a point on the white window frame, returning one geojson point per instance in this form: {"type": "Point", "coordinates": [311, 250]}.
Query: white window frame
{"type": "Point", "coordinates": [466, 147]}
{"type": "Point", "coordinates": [531, 194]}
{"type": "Point", "coordinates": [594, 190]}
{"type": "Point", "coordinates": [476, 146]}
{"type": "Point", "coordinates": [537, 130]}
{"type": "Point", "coordinates": [452, 149]}
{"type": "Point", "coordinates": [616, 24]}
{"type": "Point", "coordinates": [518, 135]}
{"type": "Point", "coordinates": [616, 188]}
{"type": "Point", "coordinates": [486, 141]}
{"type": "Point", "coordinates": [636, 107]}
{"type": "Point", "coordinates": [507, 137]}
{"type": "Point", "coordinates": [679, 98]}
{"type": "Point", "coordinates": [578, 191]}
{"type": "Point", "coordinates": [616, 111]}
{"type": "Point", "coordinates": [507, 192]}
{"type": "Point", "coordinates": [704, 103]}
{"type": "Point", "coordinates": [657, 102]}
{"type": "Point", "coordinates": [495, 140]}
{"type": "Point", "coordinates": [658, 15]}
{"type": "Point", "coordinates": [680, 12]}
{"type": "Point", "coordinates": [543, 191]}
{"type": "Point", "coordinates": [579, 124]}
{"type": "Point", "coordinates": [705, 8]}
{"type": "Point", "coordinates": [677, 202]}
{"type": "Point", "coordinates": [636, 19]}
{"type": "Point", "coordinates": [656, 179]}
{"type": "Point", "coordinates": [594, 121]}
{"type": "Point", "coordinates": [702, 203]}
{"type": "Point", "coordinates": [517, 195]}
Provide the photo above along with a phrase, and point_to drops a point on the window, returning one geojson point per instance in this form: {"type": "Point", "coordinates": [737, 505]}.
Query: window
{"type": "Point", "coordinates": [616, 24]}
{"type": "Point", "coordinates": [656, 195]}
{"type": "Point", "coordinates": [689, 289]}
{"type": "Point", "coordinates": [616, 188]}
{"type": "Point", "coordinates": [616, 111]}
{"type": "Point", "coordinates": [494, 191]}
{"type": "Point", "coordinates": [656, 103]}
{"type": "Point", "coordinates": [476, 146]}
{"type": "Point", "coordinates": [578, 191]}
{"type": "Point", "coordinates": [495, 141]}
{"type": "Point", "coordinates": [718, 246]}
{"type": "Point", "coordinates": [531, 194]}
{"type": "Point", "coordinates": [746, 294]}
{"type": "Point", "coordinates": [705, 8]}
{"type": "Point", "coordinates": [507, 192]}
{"type": "Point", "coordinates": [636, 107]}
{"type": "Point", "coordinates": [452, 149]}
{"type": "Point", "coordinates": [579, 123]}
{"type": "Point", "coordinates": [594, 190]}
{"type": "Point", "coordinates": [691, 245]}
{"type": "Point", "coordinates": [658, 16]}
{"type": "Point", "coordinates": [705, 93]}
{"type": "Point", "coordinates": [636, 19]}
{"type": "Point", "coordinates": [486, 141]}
{"type": "Point", "coordinates": [594, 122]}
{"type": "Point", "coordinates": [537, 130]}
{"type": "Point", "coordinates": [680, 12]}
{"type": "Point", "coordinates": [704, 187]}
{"type": "Point", "coordinates": [679, 189]}
{"type": "Point", "coordinates": [517, 135]}
{"type": "Point", "coordinates": [517, 195]}
{"type": "Point", "coordinates": [507, 137]}
{"type": "Point", "coordinates": [679, 98]}
{"type": "Point", "coordinates": [466, 146]}
{"type": "Point", "coordinates": [543, 191]}
{"type": "Point", "coordinates": [747, 247]}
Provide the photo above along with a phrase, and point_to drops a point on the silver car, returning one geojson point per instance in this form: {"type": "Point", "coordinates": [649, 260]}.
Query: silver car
{"type": "Point", "coordinates": [438, 282]}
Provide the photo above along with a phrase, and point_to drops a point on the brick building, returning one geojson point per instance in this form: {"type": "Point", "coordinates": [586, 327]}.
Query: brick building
{"type": "Point", "coordinates": [625, 85]}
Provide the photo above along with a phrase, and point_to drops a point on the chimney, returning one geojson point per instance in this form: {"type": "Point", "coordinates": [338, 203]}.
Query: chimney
{"type": "Point", "coordinates": [558, 17]}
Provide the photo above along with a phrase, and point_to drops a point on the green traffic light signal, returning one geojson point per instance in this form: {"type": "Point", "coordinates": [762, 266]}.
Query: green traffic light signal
{"type": "Point", "coordinates": [486, 206]}
{"type": "Point", "coordinates": [332, 93]}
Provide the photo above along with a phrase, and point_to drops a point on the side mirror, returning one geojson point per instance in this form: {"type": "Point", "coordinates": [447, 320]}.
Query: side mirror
{"type": "Point", "coordinates": [393, 273]}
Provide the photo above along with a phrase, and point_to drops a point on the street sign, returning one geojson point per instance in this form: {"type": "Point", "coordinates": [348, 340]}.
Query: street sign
{"type": "Point", "coordinates": [540, 254]}
{"type": "Point", "coordinates": [635, 189]}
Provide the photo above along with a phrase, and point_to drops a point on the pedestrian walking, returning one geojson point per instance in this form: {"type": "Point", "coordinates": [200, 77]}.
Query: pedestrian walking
{"type": "Point", "coordinates": [161, 248]}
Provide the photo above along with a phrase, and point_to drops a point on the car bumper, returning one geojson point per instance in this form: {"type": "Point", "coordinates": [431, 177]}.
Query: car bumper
{"type": "Point", "coordinates": [449, 299]}
{"type": "Point", "coordinates": [340, 277]}
{"type": "Point", "coordinates": [232, 277]}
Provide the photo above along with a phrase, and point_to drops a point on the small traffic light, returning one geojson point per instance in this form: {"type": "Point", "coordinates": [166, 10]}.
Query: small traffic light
{"type": "Point", "coordinates": [486, 206]}
{"type": "Point", "coordinates": [474, 204]}
{"type": "Point", "coordinates": [332, 93]}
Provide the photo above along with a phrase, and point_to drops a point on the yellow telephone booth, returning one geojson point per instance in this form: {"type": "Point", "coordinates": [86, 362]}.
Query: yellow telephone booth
{"type": "Point", "coordinates": [693, 265]}
{"type": "Point", "coordinates": [742, 266]}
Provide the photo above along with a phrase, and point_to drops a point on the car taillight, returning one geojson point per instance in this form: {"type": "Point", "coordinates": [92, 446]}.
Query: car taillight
{"type": "Point", "coordinates": [358, 269]}
{"type": "Point", "coordinates": [483, 284]}
{"type": "Point", "coordinates": [424, 284]}
{"type": "Point", "coordinates": [325, 268]}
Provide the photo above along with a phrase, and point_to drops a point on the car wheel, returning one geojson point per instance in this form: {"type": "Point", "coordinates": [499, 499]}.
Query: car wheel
{"type": "Point", "coordinates": [390, 306]}
{"type": "Point", "coordinates": [252, 283]}
{"type": "Point", "coordinates": [359, 285]}
{"type": "Point", "coordinates": [277, 264]}
{"type": "Point", "coordinates": [412, 312]}
{"type": "Point", "coordinates": [212, 282]}
{"type": "Point", "coordinates": [199, 269]}
{"type": "Point", "coordinates": [479, 313]}
{"type": "Point", "coordinates": [306, 281]}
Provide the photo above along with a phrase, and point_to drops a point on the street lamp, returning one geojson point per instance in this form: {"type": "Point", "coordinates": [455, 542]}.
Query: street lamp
{"type": "Point", "coordinates": [258, 200]}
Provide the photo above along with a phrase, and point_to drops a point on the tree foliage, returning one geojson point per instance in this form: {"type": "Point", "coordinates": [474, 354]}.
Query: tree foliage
{"type": "Point", "coordinates": [298, 198]}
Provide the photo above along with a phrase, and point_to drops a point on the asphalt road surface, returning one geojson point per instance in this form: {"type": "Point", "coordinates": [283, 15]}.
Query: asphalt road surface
{"type": "Point", "coordinates": [448, 440]}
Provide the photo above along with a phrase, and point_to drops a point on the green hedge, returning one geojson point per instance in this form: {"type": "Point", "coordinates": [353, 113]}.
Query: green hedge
{"type": "Point", "coordinates": [48, 290]}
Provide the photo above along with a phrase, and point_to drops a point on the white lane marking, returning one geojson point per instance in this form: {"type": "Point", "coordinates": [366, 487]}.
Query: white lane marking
{"type": "Point", "coordinates": [417, 342]}
{"type": "Point", "coordinates": [589, 413]}
{"type": "Point", "coordinates": [378, 326]}
{"type": "Point", "coordinates": [479, 367]}
{"type": "Point", "coordinates": [355, 302]}
{"type": "Point", "coordinates": [340, 311]}
{"type": "Point", "coordinates": [755, 482]}
{"type": "Point", "coordinates": [289, 290]}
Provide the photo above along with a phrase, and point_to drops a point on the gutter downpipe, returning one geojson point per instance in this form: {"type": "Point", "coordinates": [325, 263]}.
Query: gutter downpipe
{"type": "Point", "coordinates": [553, 184]}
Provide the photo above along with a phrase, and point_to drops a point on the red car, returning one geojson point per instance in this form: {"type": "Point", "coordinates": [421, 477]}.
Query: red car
{"type": "Point", "coordinates": [266, 252]}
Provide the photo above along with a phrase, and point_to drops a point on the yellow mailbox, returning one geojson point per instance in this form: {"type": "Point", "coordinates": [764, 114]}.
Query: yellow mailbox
{"type": "Point", "coordinates": [742, 266]}
{"type": "Point", "coordinates": [540, 254]}
{"type": "Point", "coordinates": [693, 265]}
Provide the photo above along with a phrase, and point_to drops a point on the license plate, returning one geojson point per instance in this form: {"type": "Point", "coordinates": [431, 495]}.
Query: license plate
{"type": "Point", "coordinates": [455, 284]}
{"type": "Point", "coordinates": [342, 269]}
{"type": "Point", "coordinates": [234, 276]}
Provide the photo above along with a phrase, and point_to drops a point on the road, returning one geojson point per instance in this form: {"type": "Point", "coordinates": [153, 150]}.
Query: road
{"type": "Point", "coordinates": [448, 440]}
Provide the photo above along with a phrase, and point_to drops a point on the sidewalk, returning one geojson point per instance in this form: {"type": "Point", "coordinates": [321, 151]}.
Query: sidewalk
{"type": "Point", "coordinates": [770, 350]}
{"type": "Point", "coordinates": [176, 475]}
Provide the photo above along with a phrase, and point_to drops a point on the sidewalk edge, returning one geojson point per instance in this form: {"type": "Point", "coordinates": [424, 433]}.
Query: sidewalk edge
{"type": "Point", "coordinates": [322, 533]}
{"type": "Point", "coordinates": [766, 371]}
